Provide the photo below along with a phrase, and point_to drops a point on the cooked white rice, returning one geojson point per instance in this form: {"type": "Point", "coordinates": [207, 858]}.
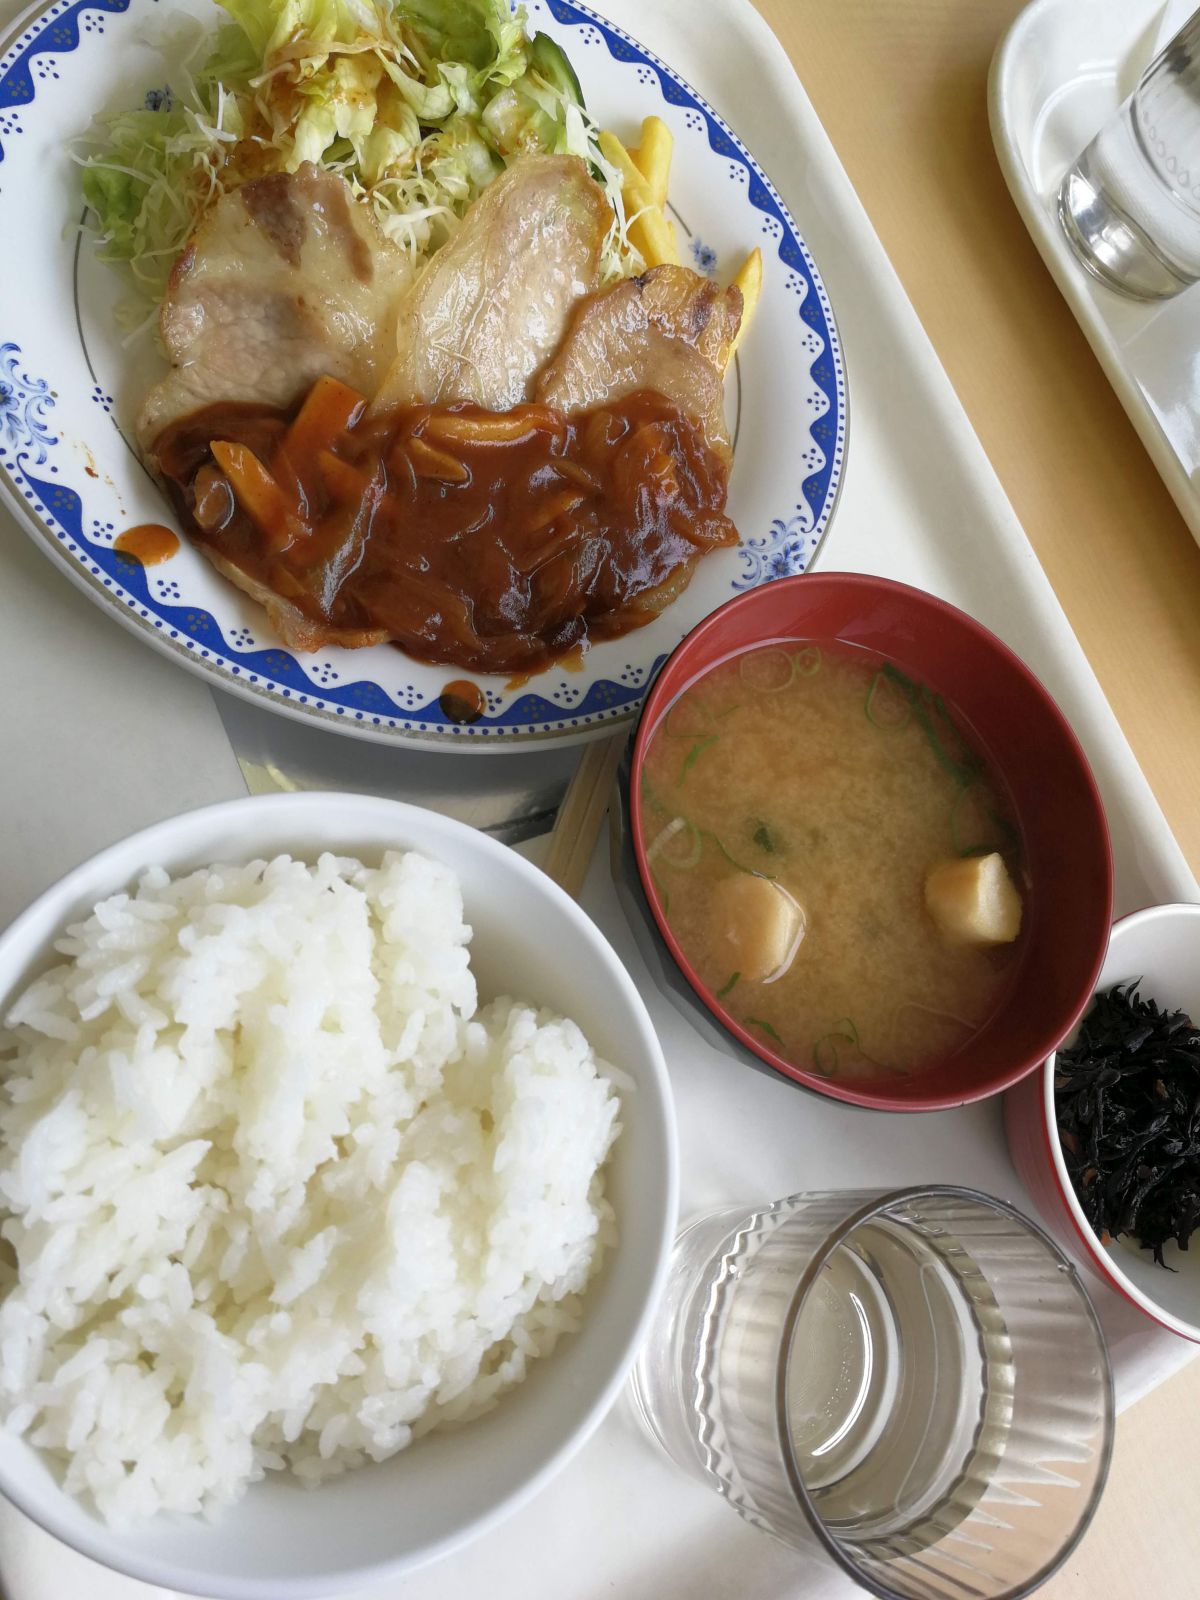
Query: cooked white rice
{"type": "Point", "coordinates": [273, 1192]}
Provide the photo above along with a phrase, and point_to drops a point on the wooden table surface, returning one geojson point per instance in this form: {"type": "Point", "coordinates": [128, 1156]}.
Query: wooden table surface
{"type": "Point", "coordinates": [901, 87]}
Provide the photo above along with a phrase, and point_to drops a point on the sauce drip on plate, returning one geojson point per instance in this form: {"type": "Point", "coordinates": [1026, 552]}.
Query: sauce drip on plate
{"type": "Point", "coordinates": [462, 701]}
{"type": "Point", "coordinates": [150, 543]}
{"type": "Point", "coordinates": [496, 541]}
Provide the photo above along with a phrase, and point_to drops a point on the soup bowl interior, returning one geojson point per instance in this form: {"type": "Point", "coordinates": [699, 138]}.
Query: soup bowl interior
{"type": "Point", "coordinates": [1031, 749]}
{"type": "Point", "coordinates": [282, 1541]}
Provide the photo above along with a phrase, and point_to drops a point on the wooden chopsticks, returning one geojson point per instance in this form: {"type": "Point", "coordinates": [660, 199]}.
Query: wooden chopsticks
{"type": "Point", "coordinates": [573, 837]}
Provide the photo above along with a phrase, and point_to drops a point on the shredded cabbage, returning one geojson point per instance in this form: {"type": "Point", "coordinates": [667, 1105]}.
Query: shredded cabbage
{"type": "Point", "coordinates": [417, 103]}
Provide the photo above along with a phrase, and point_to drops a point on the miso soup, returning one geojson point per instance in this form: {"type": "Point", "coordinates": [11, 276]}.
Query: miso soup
{"type": "Point", "coordinates": [835, 857]}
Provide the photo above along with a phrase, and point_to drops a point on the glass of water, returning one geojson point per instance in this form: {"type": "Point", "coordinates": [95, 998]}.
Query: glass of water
{"type": "Point", "coordinates": [1130, 205]}
{"type": "Point", "coordinates": [912, 1387]}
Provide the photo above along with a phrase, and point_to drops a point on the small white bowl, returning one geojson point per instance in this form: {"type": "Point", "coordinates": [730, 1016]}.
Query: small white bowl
{"type": "Point", "coordinates": [1159, 946]}
{"type": "Point", "coordinates": [283, 1542]}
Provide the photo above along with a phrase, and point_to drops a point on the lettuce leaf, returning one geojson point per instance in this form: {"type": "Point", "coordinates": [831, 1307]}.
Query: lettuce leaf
{"type": "Point", "coordinates": [484, 34]}
{"type": "Point", "coordinates": [152, 182]}
{"type": "Point", "coordinates": [272, 26]}
{"type": "Point", "coordinates": [339, 103]}
{"type": "Point", "coordinates": [418, 103]}
{"type": "Point", "coordinates": [231, 64]}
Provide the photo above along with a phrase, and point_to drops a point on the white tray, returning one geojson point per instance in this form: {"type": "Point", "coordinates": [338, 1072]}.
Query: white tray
{"type": "Point", "coordinates": [124, 738]}
{"type": "Point", "coordinates": [1061, 71]}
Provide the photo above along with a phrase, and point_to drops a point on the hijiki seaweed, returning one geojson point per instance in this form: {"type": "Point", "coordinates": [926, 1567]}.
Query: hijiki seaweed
{"type": "Point", "coordinates": [1127, 1095]}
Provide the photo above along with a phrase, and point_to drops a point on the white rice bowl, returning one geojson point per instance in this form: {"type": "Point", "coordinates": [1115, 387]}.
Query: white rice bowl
{"type": "Point", "coordinates": [279, 1193]}
{"type": "Point", "coordinates": [386, 1519]}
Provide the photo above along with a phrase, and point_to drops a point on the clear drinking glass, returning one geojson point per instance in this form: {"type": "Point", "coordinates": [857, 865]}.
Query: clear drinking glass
{"type": "Point", "coordinates": [911, 1386]}
{"type": "Point", "coordinates": [1131, 204]}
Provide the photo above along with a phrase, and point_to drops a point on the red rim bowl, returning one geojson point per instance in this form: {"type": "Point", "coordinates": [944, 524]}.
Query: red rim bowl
{"type": "Point", "coordinates": [1030, 743]}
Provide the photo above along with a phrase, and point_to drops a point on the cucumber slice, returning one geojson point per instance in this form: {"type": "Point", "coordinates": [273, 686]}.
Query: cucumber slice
{"type": "Point", "coordinates": [549, 62]}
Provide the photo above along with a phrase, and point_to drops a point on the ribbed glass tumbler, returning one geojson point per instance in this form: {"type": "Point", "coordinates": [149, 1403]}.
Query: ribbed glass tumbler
{"type": "Point", "coordinates": [910, 1386]}
{"type": "Point", "coordinates": [1130, 205]}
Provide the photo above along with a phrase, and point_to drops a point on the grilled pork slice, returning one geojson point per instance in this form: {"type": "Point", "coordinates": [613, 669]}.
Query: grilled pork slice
{"type": "Point", "coordinates": [493, 304]}
{"type": "Point", "coordinates": [285, 279]}
{"type": "Point", "coordinates": [669, 330]}
{"type": "Point", "coordinates": [296, 630]}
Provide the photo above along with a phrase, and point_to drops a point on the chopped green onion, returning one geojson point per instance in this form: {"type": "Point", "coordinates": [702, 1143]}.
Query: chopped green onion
{"type": "Point", "coordinates": [964, 766]}
{"type": "Point", "coordinates": [728, 985]}
{"type": "Point", "coordinates": [751, 872]}
{"type": "Point", "coordinates": [968, 763]}
{"type": "Point", "coordinates": [683, 859]}
{"type": "Point", "coordinates": [885, 706]}
{"type": "Point", "coordinates": [807, 662]}
{"type": "Point", "coordinates": [825, 1053]}
{"type": "Point", "coordinates": [768, 670]}
{"type": "Point", "coordinates": [825, 1056]}
{"type": "Point", "coordinates": [650, 793]}
{"type": "Point", "coordinates": [694, 754]}
{"type": "Point", "coordinates": [757, 1022]}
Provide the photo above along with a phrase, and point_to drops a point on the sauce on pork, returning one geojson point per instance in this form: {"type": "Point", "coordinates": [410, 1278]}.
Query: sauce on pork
{"type": "Point", "coordinates": [495, 541]}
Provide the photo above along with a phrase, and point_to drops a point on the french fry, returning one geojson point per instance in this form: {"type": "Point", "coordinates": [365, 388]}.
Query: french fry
{"type": "Point", "coordinates": [652, 235]}
{"type": "Point", "coordinates": [649, 232]}
{"type": "Point", "coordinates": [632, 181]}
{"type": "Point", "coordinates": [653, 158]}
{"type": "Point", "coordinates": [748, 279]}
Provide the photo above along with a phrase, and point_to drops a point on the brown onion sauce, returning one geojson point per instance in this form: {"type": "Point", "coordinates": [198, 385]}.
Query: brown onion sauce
{"type": "Point", "coordinates": [462, 701]}
{"type": "Point", "coordinates": [495, 554]}
{"type": "Point", "coordinates": [149, 543]}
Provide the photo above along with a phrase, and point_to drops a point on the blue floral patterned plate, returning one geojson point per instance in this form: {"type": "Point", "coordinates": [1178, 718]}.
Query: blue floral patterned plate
{"type": "Point", "coordinates": [69, 387]}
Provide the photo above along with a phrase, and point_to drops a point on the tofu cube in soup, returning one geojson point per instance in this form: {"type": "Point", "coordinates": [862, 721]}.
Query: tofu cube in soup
{"type": "Point", "coordinates": [757, 926]}
{"type": "Point", "coordinates": [974, 901]}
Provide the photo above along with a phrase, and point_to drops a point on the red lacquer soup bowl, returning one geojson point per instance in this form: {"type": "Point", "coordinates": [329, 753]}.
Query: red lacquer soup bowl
{"type": "Point", "coordinates": [1031, 748]}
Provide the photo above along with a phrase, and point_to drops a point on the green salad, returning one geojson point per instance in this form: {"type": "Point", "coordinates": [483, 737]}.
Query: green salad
{"type": "Point", "coordinates": [417, 103]}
